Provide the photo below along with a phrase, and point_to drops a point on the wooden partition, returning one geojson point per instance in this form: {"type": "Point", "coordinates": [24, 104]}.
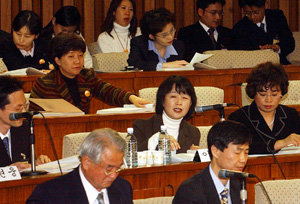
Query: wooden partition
{"type": "Point", "coordinates": [157, 181]}
{"type": "Point", "coordinates": [93, 12]}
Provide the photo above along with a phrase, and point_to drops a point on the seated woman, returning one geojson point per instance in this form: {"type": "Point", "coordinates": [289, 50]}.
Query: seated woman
{"type": "Point", "coordinates": [72, 82]}
{"type": "Point", "coordinates": [120, 25]}
{"type": "Point", "coordinates": [66, 19]}
{"type": "Point", "coordinates": [156, 48]}
{"type": "Point", "coordinates": [21, 49]}
{"type": "Point", "coordinates": [273, 126]}
{"type": "Point", "coordinates": [175, 102]}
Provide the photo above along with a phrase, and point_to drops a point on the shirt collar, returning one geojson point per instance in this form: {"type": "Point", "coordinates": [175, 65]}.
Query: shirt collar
{"type": "Point", "coordinates": [263, 21]}
{"type": "Point", "coordinates": [170, 50]}
{"type": "Point", "coordinates": [218, 184]}
{"type": "Point", "coordinates": [205, 27]}
{"type": "Point", "coordinates": [6, 135]}
{"type": "Point", "coordinates": [28, 53]}
{"type": "Point", "coordinates": [90, 190]}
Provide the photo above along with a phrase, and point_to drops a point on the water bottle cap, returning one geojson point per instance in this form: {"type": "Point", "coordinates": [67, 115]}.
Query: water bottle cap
{"type": "Point", "coordinates": [163, 128]}
{"type": "Point", "coordinates": [130, 130]}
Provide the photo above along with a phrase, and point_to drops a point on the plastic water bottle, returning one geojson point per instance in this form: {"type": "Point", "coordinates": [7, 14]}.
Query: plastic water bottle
{"type": "Point", "coordinates": [164, 144]}
{"type": "Point", "coordinates": [131, 149]}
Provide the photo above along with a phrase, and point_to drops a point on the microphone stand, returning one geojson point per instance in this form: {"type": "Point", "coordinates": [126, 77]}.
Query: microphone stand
{"type": "Point", "coordinates": [243, 192]}
{"type": "Point", "coordinates": [33, 171]}
{"type": "Point", "coordinates": [221, 113]}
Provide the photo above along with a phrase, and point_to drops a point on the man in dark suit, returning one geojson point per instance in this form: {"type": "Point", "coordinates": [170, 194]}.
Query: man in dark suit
{"type": "Point", "coordinates": [263, 28]}
{"type": "Point", "coordinates": [96, 180]}
{"type": "Point", "coordinates": [207, 33]}
{"type": "Point", "coordinates": [14, 134]}
{"type": "Point", "coordinates": [228, 147]}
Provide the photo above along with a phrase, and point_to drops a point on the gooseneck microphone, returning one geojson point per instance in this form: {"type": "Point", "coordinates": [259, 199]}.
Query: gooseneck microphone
{"type": "Point", "coordinates": [16, 116]}
{"type": "Point", "coordinates": [200, 109]}
{"type": "Point", "coordinates": [224, 173]}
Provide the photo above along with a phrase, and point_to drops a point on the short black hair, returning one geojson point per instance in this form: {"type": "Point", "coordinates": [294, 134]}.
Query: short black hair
{"type": "Point", "coordinates": [29, 19]}
{"type": "Point", "coordinates": [242, 3]}
{"type": "Point", "coordinates": [68, 16]}
{"type": "Point", "coordinates": [63, 43]}
{"type": "Point", "coordinates": [182, 85]}
{"type": "Point", "coordinates": [203, 4]}
{"type": "Point", "coordinates": [258, 3]}
{"type": "Point", "coordinates": [225, 132]}
{"type": "Point", "coordinates": [8, 85]}
{"type": "Point", "coordinates": [267, 75]}
{"type": "Point", "coordinates": [154, 21]}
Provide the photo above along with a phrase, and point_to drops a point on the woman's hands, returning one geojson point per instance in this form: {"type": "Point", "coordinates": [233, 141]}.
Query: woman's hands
{"type": "Point", "coordinates": [177, 63]}
{"type": "Point", "coordinates": [138, 102]}
{"type": "Point", "coordinates": [293, 139]}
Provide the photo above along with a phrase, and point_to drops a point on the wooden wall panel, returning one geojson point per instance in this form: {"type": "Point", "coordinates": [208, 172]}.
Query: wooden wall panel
{"type": "Point", "coordinates": [93, 12]}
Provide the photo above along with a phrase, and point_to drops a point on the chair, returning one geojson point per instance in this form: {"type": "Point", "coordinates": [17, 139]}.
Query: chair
{"type": "Point", "coordinates": [279, 191]}
{"type": "Point", "coordinates": [203, 139]}
{"type": "Point", "coordinates": [94, 48]}
{"type": "Point", "coordinates": [206, 95]}
{"type": "Point", "coordinates": [292, 97]}
{"type": "Point", "coordinates": [72, 142]}
{"type": "Point", "coordinates": [155, 200]}
{"type": "Point", "coordinates": [3, 67]}
{"type": "Point", "coordinates": [110, 62]}
{"type": "Point", "coordinates": [294, 57]}
{"type": "Point", "coordinates": [224, 59]}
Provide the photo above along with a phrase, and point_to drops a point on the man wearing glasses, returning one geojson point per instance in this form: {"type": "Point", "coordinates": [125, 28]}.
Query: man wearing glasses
{"type": "Point", "coordinates": [96, 180]}
{"type": "Point", "coordinates": [14, 134]}
{"type": "Point", "coordinates": [207, 33]}
{"type": "Point", "coordinates": [263, 28]}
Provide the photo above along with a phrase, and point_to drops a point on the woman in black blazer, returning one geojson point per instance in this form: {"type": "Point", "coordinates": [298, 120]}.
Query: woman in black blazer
{"type": "Point", "coordinates": [273, 126]}
{"type": "Point", "coordinates": [156, 48]}
{"type": "Point", "coordinates": [20, 50]}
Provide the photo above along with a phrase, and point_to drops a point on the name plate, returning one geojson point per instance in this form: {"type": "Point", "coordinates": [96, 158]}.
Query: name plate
{"type": "Point", "coordinates": [9, 173]}
{"type": "Point", "coordinates": [203, 154]}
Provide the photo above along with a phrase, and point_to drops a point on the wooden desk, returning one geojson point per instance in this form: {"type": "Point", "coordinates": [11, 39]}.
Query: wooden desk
{"type": "Point", "coordinates": [227, 79]}
{"type": "Point", "coordinates": [164, 180]}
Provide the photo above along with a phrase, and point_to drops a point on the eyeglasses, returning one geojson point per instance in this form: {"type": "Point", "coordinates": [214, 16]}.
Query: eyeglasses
{"type": "Point", "coordinates": [111, 170]}
{"type": "Point", "coordinates": [250, 13]}
{"type": "Point", "coordinates": [20, 108]}
{"type": "Point", "coordinates": [272, 95]}
{"type": "Point", "coordinates": [215, 12]}
{"type": "Point", "coordinates": [166, 34]}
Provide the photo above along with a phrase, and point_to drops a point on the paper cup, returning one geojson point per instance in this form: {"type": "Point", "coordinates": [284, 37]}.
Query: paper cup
{"type": "Point", "coordinates": [142, 158]}
{"type": "Point", "coordinates": [149, 157]}
{"type": "Point", "coordinates": [158, 157]}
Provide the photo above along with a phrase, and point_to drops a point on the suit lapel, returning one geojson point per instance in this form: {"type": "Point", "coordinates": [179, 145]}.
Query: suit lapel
{"type": "Point", "coordinates": [279, 124]}
{"type": "Point", "coordinates": [85, 90]}
{"type": "Point", "coordinates": [210, 188]}
{"type": "Point", "coordinates": [203, 34]}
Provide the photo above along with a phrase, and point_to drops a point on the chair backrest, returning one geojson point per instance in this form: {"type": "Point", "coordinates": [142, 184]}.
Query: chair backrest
{"type": "Point", "coordinates": [72, 142]}
{"type": "Point", "coordinates": [292, 97]}
{"type": "Point", "coordinates": [94, 48]}
{"type": "Point", "coordinates": [155, 200]}
{"type": "Point", "coordinates": [224, 59]}
{"type": "Point", "coordinates": [279, 191]}
{"type": "Point", "coordinates": [110, 62]}
{"type": "Point", "coordinates": [206, 95]}
{"type": "Point", "coordinates": [3, 67]}
{"type": "Point", "coordinates": [203, 139]}
{"type": "Point", "coordinates": [294, 57]}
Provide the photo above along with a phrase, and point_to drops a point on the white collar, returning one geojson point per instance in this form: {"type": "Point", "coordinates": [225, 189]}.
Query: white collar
{"type": "Point", "coordinates": [90, 191]}
{"type": "Point", "coordinates": [171, 121]}
{"type": "Point", "coordinates": [121, 29]}
{"type": "Point", "coordinates": [263, 21]}
{"type": "Point", "coordinates": [28, 53]}
{"type": "Point", "coordinates": [5, 135]}
{"type": "Point", "coordinates": [205, 27]}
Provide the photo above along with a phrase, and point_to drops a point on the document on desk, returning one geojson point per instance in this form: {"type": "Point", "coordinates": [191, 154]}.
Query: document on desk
{"type": "Point", "coordinates": [24, 71]}
{"type": "Point", "coordinates": [127, 108]}
{"type": "Point", "coordinates": [67, 165]}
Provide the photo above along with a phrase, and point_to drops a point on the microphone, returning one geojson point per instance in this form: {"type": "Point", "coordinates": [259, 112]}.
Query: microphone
{"type": "Point", "coordinates": [16, 116]}
{"type": "Point", "coordinates": [200, 109]}
{"type": "Point", "coordinates": [224, 173]}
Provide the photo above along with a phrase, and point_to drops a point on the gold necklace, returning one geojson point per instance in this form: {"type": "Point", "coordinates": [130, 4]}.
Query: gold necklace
{"type": "Point", "coordinates": [124, 49]}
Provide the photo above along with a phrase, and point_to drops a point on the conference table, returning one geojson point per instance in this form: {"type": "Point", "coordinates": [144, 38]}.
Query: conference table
{"type": "Point", "coordinates": [157, 181]}
{"type": "Point", "coordinates": [227, 79]}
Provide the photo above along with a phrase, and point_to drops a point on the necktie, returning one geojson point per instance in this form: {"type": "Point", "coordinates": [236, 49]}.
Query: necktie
{"type": "Point", "coordinates": [100, 198]}
{"type": "Point", "coordinates": [224, 196]}
{"type": "Point", "coordinates": [6, 145]}
{"type": "Point", "coordinates": [212, 37]}
{"type": "Point", "coordinates": [262, 26]}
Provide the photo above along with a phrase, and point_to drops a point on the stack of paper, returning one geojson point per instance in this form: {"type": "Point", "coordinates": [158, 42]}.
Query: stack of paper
{"type": "Point", "coordinates": [24, 71]}
{"type": "Point", "coordinates": [128, 108]}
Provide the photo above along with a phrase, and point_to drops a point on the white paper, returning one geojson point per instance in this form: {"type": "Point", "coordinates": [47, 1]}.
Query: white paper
{"type": "Point", "coordinates": [20, 72]}
{"type": "Point", "coordinates": [128, 108]}
{"type": "Point", "coordinates": [9, 173]}
{"type": "Point", "coordinates": [198, 58]}
{"type": "Point", "coordinates": [182, 157]}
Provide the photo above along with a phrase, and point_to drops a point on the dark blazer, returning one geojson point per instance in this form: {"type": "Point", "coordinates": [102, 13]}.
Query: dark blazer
{"type": "Point", "coordinates": [286, 122]}
{"type": "Point", "coordinates": [69, 189]}
{"type": "Point", "coordinates": [200, 189]}
{"type": "Point", "coordinates": [13, 58]}
{"type": "Point", "coordinates": [196, 39]}
{"type": "Point", "coordinates": [53, 85]}
{"type": "Point", "coordinates": [19, 144]}
{"type": "Point", "coordinates": [144, 59]}
{"type": "Point", "coordinates": [46, 36]}
{"type": "Point", "coordinates": [250, 36]}
{"type": "Point", "coordinates": [145, 128]}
